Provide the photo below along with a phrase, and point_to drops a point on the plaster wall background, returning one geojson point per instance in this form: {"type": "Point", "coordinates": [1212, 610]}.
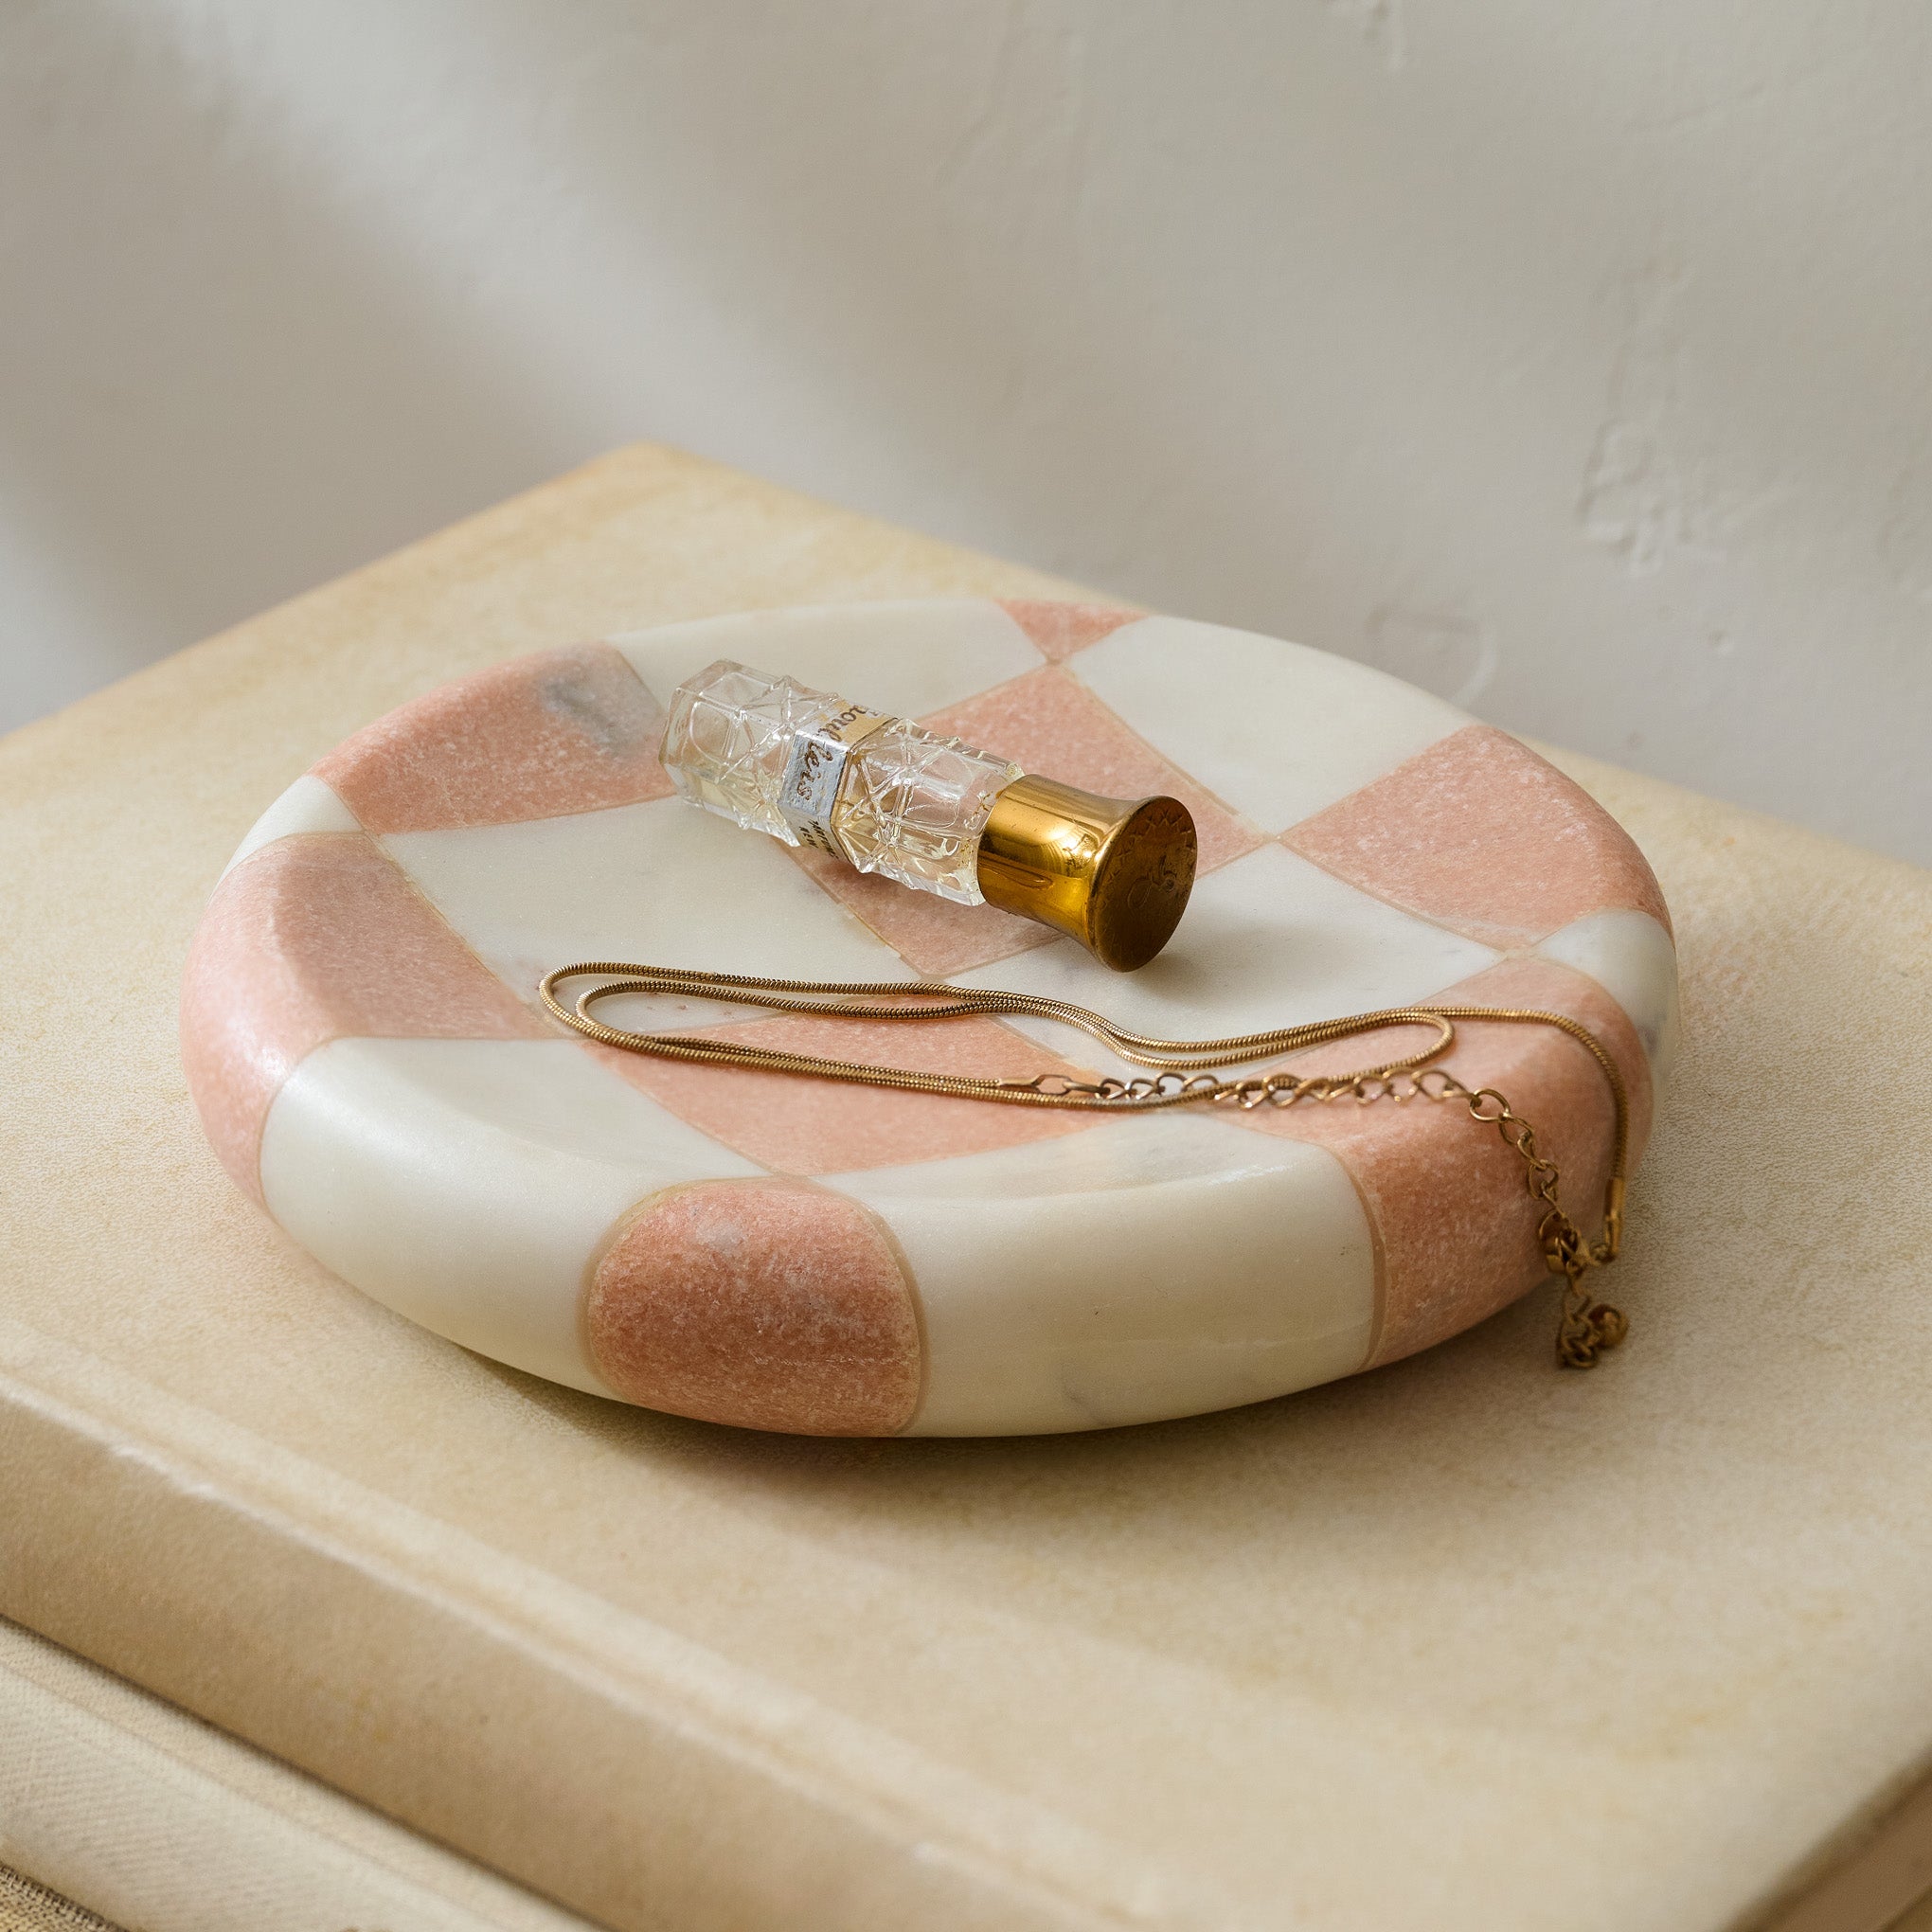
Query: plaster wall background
{"type": "Point", "coordinates": [1571, 361]}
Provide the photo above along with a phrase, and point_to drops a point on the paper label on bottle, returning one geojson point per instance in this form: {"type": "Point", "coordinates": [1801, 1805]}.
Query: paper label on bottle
{"type": "Point", "coordinates": [815, 771]}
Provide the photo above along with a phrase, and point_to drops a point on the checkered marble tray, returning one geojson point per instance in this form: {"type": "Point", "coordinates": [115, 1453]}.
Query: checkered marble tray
{"type": "Point", "coordinates": [361, 1036]}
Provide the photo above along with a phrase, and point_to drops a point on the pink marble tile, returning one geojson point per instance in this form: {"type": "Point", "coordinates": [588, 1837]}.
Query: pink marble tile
{"type": "Point", "coordinates": [1048, 722]}
{"type": "Point", "coordinates": [802, 1126]}
{"type": "Point", "coordinates": [558, 732]}
{"type": "Point", "coordinates": [767, 1304]}
{"type": "Point", "coordinates": [313, 938]}
{"type": "Point", "coordinates": [1454, 1223]}
{"type": "Point", "coordinates": [935, 936]}
{"type": "Point", "coordinates": [1059, 629]}
{"type": "Point", "coordinates": [1479, 834]}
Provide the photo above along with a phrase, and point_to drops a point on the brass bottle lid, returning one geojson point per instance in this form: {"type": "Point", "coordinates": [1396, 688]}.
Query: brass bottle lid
{"type": "Point", "coordinates": [1113, 874]}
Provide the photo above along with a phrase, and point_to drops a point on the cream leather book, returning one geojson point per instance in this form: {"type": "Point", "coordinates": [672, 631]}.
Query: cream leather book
{"type": "Point", "coordinates": [1463, 1644]}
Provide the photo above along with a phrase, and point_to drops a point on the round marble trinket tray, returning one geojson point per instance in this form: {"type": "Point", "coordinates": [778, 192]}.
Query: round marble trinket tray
{"type": "Point", "coordinates": [362, 1035]}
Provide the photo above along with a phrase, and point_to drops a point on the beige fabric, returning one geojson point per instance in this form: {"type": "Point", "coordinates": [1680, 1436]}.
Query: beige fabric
{"type": "Point", "coordinates": [1465, 1643]}
{"type": "Point", "coordinates": [28, 1907]}
{"type": "Point", "coordinates": [133, 1808]}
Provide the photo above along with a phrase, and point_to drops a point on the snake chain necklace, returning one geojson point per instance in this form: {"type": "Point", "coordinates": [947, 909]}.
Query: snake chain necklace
{"type": "Point", "coordinates": [1184, 1073]}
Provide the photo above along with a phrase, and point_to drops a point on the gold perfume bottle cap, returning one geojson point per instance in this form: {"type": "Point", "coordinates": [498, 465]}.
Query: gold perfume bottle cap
{"type": "Point", "coordinates": [1113, 874]}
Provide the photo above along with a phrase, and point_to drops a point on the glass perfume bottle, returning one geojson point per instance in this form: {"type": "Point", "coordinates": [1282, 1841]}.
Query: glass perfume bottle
{"type": "Point", "coordinates": [812, 769]}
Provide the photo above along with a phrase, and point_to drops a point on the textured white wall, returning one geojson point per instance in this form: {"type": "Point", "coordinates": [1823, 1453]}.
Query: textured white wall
{"type": "Point", "coordinates": [1568, 359]}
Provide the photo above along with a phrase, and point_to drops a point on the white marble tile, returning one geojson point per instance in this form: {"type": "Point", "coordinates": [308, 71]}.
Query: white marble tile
{"type": "Point", "coordinates": [1630, 956]}
{"type": "Point", "coordinates": [1061, 1281]}
{"type": "Point", "coordinates": [308, 805]}
{"type": "Point", "coordinates": [1274, 730]}
{"type": "Point", "coordinates": [663, 882]}
{"type": "Point", "coordinates": [470, 1184]}
{"type": "Point", "coordinates": [1269, 941]}
{"type": "Point", "coordinates": [905, 656]}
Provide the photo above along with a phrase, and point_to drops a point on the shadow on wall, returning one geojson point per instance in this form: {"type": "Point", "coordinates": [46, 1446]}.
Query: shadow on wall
{"type": "Point", "coordinates": [220, 388]}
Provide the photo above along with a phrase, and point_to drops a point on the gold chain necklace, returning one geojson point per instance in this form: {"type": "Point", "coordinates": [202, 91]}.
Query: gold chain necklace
{"type": "Point", "coordinates": [1585, 1328]}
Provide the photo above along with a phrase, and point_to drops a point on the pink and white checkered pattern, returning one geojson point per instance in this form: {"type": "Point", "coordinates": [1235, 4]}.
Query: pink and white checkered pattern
{"type": "Point", "coordinates": [361, 1033]}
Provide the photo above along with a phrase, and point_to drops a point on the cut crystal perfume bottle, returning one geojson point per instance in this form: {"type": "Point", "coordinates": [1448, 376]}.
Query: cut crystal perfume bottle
{"type": "Point", "coordinates": [933, 814]}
